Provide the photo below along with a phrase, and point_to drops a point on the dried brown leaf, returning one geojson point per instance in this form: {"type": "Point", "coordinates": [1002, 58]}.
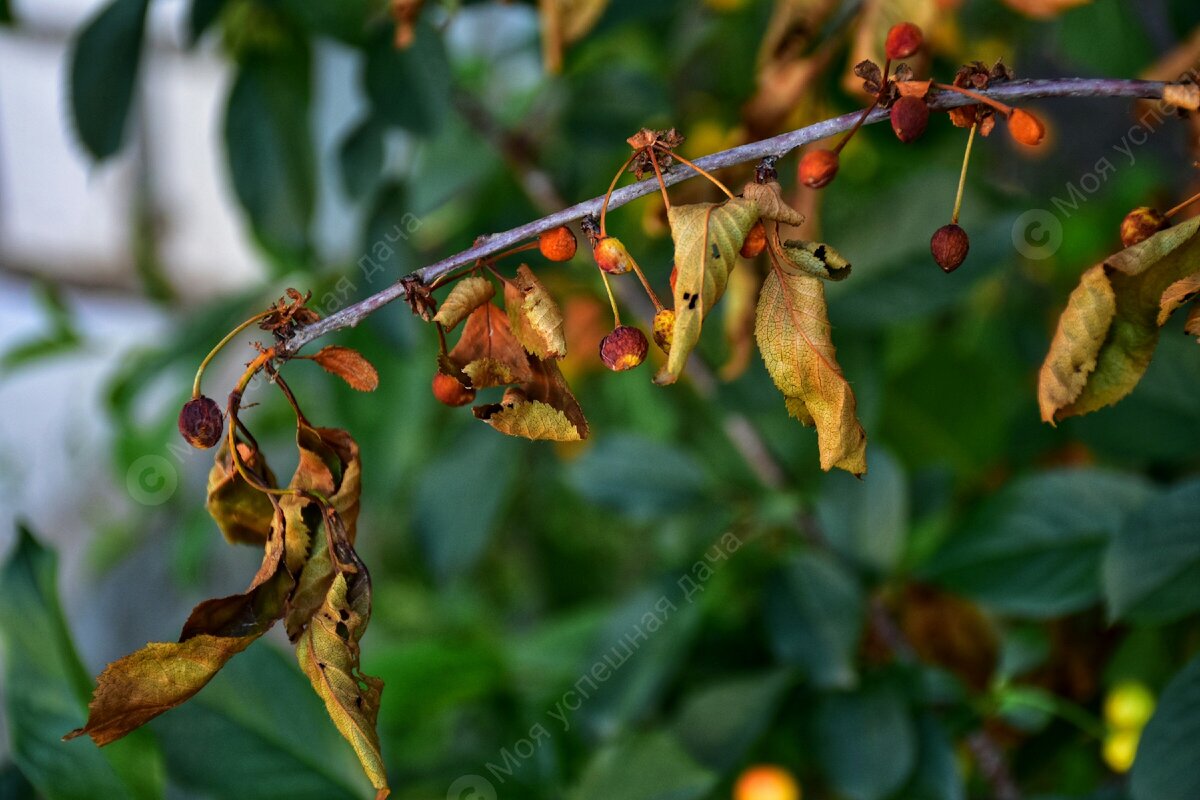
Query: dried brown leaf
{"type": "Point", "coordinates": [349, 365]}
{"type": "Point", "coordinates": [243, 513]}
{"type": "Point", "coordinates": [488, 342]}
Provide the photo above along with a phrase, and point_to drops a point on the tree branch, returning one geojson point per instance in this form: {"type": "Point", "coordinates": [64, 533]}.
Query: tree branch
{"type": "Point", "coordinates": [775, 146]}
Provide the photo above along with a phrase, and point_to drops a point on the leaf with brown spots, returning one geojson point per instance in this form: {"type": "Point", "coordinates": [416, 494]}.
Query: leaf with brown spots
{"type": "Point", "coordinates": [536, 319]}
{"type": "Point", "coordinates": [349, 365]}
{"type": "Point", "coordinates": [468, 294]}
{"type": "Point", "coordinates": [541, 408]}
{"type": "Point", "coordinates": [488, 338]}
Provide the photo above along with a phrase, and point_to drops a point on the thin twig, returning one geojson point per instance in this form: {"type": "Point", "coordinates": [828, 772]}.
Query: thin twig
{"type": "Point", "coordinates": [774, 146]}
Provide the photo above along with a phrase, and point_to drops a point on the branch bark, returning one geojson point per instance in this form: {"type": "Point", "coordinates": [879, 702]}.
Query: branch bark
{"type": "Point", "coordinates": [775, 146]}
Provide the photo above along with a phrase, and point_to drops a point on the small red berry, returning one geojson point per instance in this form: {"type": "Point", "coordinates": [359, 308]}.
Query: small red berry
{"type": "Point", "coordinates": [756, 242]}
{"type": "Point", "coordinates": [557, 244]}
{"type": "Point", "coordinates": [818, 168]}
{"type": "Point", "coordinates": [903, 40]}
{"type": "Point", "coordinates": [611, 256]}
{"type": "Point", "coordinates": [624, 348]}
{"type": "Point", "coordinates": [949, 246]}
{"type": "Point", "coordinates": [1026, 128]}
{"type": "Point", "coordinates": [449, 391]}
{"type": "Point", "coordinates": [910, 116]}
{"type": "Point", "coordinates": [201, 422]}
{"type": "Point", "coordinates": [1140, 224]}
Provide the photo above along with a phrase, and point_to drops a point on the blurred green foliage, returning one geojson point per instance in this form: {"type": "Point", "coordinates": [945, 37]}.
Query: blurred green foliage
{"type": "Point", "coordinates": [1027, 569]}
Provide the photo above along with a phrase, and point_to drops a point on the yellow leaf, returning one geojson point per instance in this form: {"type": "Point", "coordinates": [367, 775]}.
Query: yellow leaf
{"type": "Point", "coordinates": [1103, 345]}
{"type": "Point", "coordinates": [707, 239]}
{"type": "Point", "coordinates": [1177, 294]}
{"type": "Point", "coordinates": [349, 365]}
{"type": "Point", "coordinates": [768, 199]}
{"type": "Point", "coordinates": [536, 318]}
{"type": "Point", "coordinates": [542, 408]}
{"type": "Point", "coordinates": [794, 338]}
{"type": "Point", "coordinates": [468, 294]}
{"type": "Point", "coordinates": [742, 294]}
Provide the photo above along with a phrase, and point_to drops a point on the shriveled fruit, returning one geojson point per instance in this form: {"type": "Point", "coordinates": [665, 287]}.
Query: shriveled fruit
{"type": "Point", "coordinates": [1140, 224]}
{"type": "Point", "coordinates": [201, 422]}
{"type": "Point", "coordinates": [664, 327]}
{"type": "Point", "coordinates": [910, 117]}
{"type": "Point", "coordinates": [624, 348]}
{"type": "Point", "coordinates": [950, 245]}
{"type": "Point", "coordinates": [611, 256]}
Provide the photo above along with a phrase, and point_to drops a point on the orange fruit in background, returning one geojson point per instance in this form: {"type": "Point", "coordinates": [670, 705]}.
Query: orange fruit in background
{"type": "Point", "coordinates": [766, 782]}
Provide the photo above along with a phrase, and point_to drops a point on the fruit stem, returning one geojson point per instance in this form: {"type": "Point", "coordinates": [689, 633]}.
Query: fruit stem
{"type": "Point", "coordinates": [213, 353]}
{"type": "Point", "coordinates": [996, 104]}
{"type": "Point", "coordinates": [611, 188]}
{"type": "Point", "coordinates": [611, 299]}
{"type": "Point", "coordinates": [1182, 206]}
{"type": "Point", "coordinates": [700, 170]}
{"type": "Point", "coordinates": [662, 185]}
{"type": "Point", "coordinates": [887, 66]}
{"type": "Point", "coordinates": [962, 178]}
{"type": "Point", "coordinates": [658, 306]}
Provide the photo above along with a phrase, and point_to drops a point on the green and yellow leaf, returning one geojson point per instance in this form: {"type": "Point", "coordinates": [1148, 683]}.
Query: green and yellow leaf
{"type": "Point", "coordinates": [468, 294]}
{"type": "Point", "coordinates": [542, 408]}
{"type": "Point", "coordinates": [535, 317]}
{"type": "Point", "coordinates": [707, 237]}
{"type": "Point", "coordinates": [793, 334]}
{"type": "Point", "coordinates": [243, 513]}
{"type": "Point", "coordinates": [814, 258]}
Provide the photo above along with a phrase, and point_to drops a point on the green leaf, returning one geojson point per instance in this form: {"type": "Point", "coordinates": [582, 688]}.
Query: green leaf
{"type": "Point", "coordinates": [46, 690]}
{"type": "Point", "coordinates": [1035, 549]}
{"type": "Point", "coordinates": [6, 16]}
{"type": "Point", "coordinates": [269, 145]}
{"type": "Point", "coordinates": [258, 724]}
{"type": "Point", "coordinates": [867, 520]}
{"type": "Point", "coordinates": [866, 741]}
{"type": "Point", "coordinates": [638, 477]}
{"type": "Point", "coordinates": [1165, 768]}
{"type": "Point", "coordinates": [104, 68]}
{"type": "Point", "coordinates": [814, 613]}
{"type": "Point", "coordinates": [361, 157]}
{"type": "Point", "coordinates": [649, 767]}
{"type": "Point", "coordinates": [409, 88]}
{"type": "Point", "coordinates": [937, 775]}
{"type": "Point", "coordinates": [1152, 568]}
{"type": "Point", "coordinates": [719, 725]}
{"type": "Point", "coordinates": [1107, 335]}
{"type": "Point", "coordinates": [707, 239]}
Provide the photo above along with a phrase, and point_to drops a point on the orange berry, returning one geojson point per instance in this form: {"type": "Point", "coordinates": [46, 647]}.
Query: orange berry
{"type": "Point", "coordinates": [624, 348]}
{"type": "Point", "coordinates": [766, 782]}
{"type": "Point", "coordinates": [910, 116]}
{"type": "Point", "coordinates": [903, 40]}
{"type": "Point", "coordinates": [1026, 128]}
{"type": "Point", "coordinates": [611, 256]}
{"type": "Point", "coordinates": [201, 422]}
{"type": "Point", "coordinates": [818, 168]}
{"type": "Point", "coordinates": [1140, 224]}
{"type": "Point", "coordinates": [756, 242]}
{"type": "Point", "coordinates": [557, 244]}
{"type": "Point", "coordinates": [449, 391]}
{"type": "Point", "coordinates": [950, 245]}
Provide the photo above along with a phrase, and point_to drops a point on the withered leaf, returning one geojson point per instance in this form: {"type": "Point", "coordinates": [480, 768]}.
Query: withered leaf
{"type": "Point", "coordinates": [1107, 334]}
{"type": "Point", "coordinates": [741, 299]}
{"type": "Point", "coordinates": [813, 258]}
{"type": "Point", "coordinates": [1178, 294]}
{"type": "Point", "coordinates": [707, 237]}
{"type": "Point", "coordinates": [488, 338]}
{"type": "Point", "coordinates": [468, 294]}
{"type": "Point", "coordinates": [768, 199]}
{"type": "Point", "coordinates": [349, 365]}
{"type": "Point", "coordinates": [793, 334]}
{"type": "Point", "coordinates": [534, 315]}
{"type": "Point", "coordinates": [243, 513]}
{"type": "Point", "coordinates": [565, 22]}
{"type": "Point", "coordinates": [543, 408]}
{"type": "Point", "coordinates": [1191, 326]}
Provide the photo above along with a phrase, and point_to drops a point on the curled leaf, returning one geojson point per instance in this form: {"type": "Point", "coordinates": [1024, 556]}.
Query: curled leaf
{"type": "Point", "coordinates": [813, 258]}
{"type": "Point", "coordinates": [349, 365]}
{"type": "Point", "coordinates": [542, 408]}
{"type": "Point", "coordinates": [488, 339]}
{"type": "Point", "coordinates": [536, 318]}
{"type": "Point", "coordinates": [1107, 334]}
{"type": "Point", "coordinates": [793, 334]}
{"type": "Point", "coordinates": [468, 294]}
{"type": "Point", "coordinates": [243, 513]}
{"type": "Point", "coordinates": [1178, 294]}
{"type": "Point", "coordinates": [707, 237]}
{"type": "Point", "coordinates": [768, 198]}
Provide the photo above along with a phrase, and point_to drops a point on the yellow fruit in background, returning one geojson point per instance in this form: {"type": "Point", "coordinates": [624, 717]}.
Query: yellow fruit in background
{"type": "Point", "coordinates": [1120, 748]}
{"type": "Point", "coordinates": [766, 782]}
{"type": "Point", "coordinates": [1129, 706]}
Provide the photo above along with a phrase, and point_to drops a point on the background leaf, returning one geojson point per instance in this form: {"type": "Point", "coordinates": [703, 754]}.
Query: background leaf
{"type": "Point", "coordinates": [1170, 745]}
{"type": "Point", "coordinates": [104, 68]}
{"type": "Point", "coordinates": [866, 740]}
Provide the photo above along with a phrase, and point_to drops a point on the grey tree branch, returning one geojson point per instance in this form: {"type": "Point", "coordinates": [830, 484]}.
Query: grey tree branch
{"type": "Point", "coordinates": [775, 146]}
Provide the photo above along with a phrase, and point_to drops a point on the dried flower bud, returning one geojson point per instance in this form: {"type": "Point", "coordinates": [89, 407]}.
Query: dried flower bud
{"type": "Point", "coordinates": [557, 244]}
{"type": "Point", "coordinates": [201, 422]}
{"type": "Point", "coordinates": [910, 116]}
{"type": "Point", "coordinates": [903, 40]}
{"type": "Point", "coordinates": [756, 242]}
{"type": "Point", "coordinates": [1140, 224]}
{"type": "Point", "coordinates": [1026, 128]}
{"type": "Point", "coordinates": [624, 348]}
{"type": "Point", "coordinates": [664, 329]}
{"type": "Point", "coordinates": [449, 391]}
{"type": "Point", "coordinates": [818, 168]}
{"type": "Point", "coordinates": [949, 246]}
{"type": "Point", "coordinates": [611, 256]}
